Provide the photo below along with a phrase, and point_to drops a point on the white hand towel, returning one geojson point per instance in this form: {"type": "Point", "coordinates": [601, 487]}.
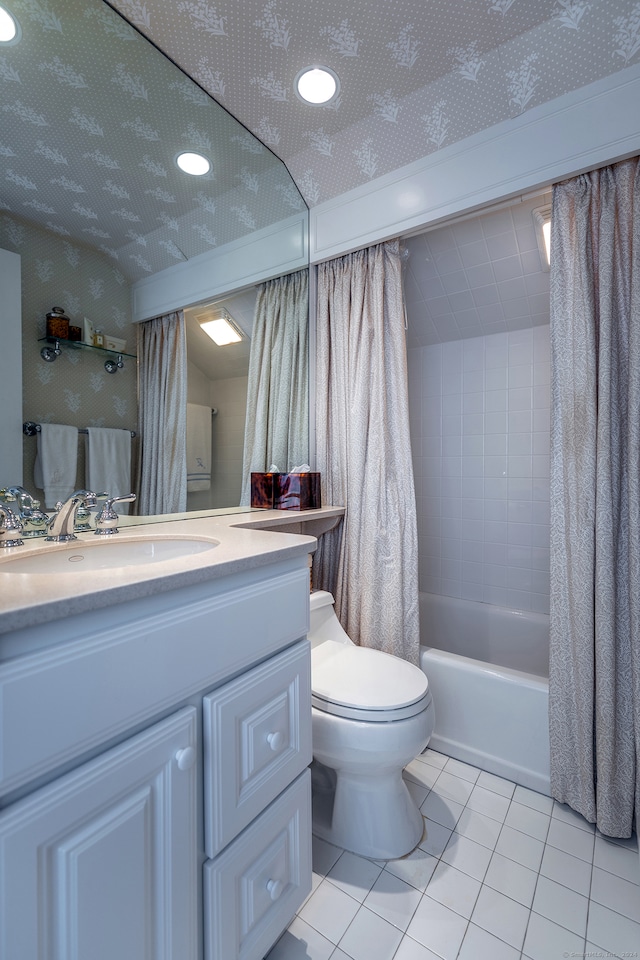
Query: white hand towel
{"type": "Point", "coordinates": [109, 463]}
{"type": "Point", "coordinates": [56, 463]}
{"type": "Point", "coordinates": [198, 447]}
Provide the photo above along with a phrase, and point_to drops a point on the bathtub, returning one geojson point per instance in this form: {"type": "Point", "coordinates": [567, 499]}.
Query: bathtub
{"type": "Point", "coordinates": [488, 671]}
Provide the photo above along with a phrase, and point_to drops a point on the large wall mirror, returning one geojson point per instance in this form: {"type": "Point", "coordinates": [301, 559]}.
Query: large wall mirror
{"type": "Point", "coordinates": [93, 201]}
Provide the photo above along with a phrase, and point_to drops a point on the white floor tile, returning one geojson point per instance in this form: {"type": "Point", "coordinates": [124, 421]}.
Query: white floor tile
{"type": "Point", "coordinates": [435, 838]}
{"type": "Point", "coordinates": [488, 803]}
{"type": "Point", "coordinates": [418, 792]}
{"type": "Point", "coordinates": [455, 788]}
{"type": "Point", "coordinates": [561, 811]}
{"type": "Point", "coordinates": [301, 942]}
{"type": "Point", "coordinates": [422, 773]}
{"type": "Point", "coordinates": [438, 928]}
{"type": "Point", "coordinates": [443, 810]}
{"type": "Point", "coordinates": [480, 945]}
{"type": "Point", "coordinates": [412, 950]}
{"type": "Point", "coordinates": [354, 875]}
{"type": "Point", "coordinates": [579, 843]}
{"type": "Point", "coordinates": [631, 843]}
{"type": "Point", "coordinates": [463, 770]}
{"type": "Point", "coordinates": [436, 759]}
{"type": "Point", "coordinates": [511, 878]}
{"type": "Point", "coordinates": [567, 870]}
{"type": "Point", "coordinates": [530, 798]}
{"type": "Point", "coordinates": [501, 916]}
{"type": "Point", "coordinates": [526, 820]}
{"type": "Point", "coordinates": [496, 784]}
{"type": "Point", "coordinates": [561, 905]}
{"type": "Point", "coordinates": [324, 855]}
{"type": "Point", "coordinates": [616, 893]}
{"type": "Point", "coordinates": [478, 827]}
{"type": "Point", "coordinates": [454, 889]}
{"type": "Point", "coordinates": [370, 937]}
{"type": "Point", "coordinates": [416, 868]}
{"type": "Point", "coordinates": [546, 940]}
{"type": "Point", "coordinates": [611, 931]}
{"type": "Point", "coordinates": [329, 911]}
{"type": "Point", "coordinates": [521, 848]}
{"type": "Point", "coordinates": [393, 899]}
{"type": "Point", "coordinates": [338, 954]}
{"type": "Point", "coordinates": [617, 859]}
{"type": "Point", "coordinates": [467, 855]}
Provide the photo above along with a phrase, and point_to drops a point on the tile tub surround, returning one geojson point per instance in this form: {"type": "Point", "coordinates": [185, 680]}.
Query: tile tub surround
{"type": "Point", "coordinates": [479, 411]}
{"type": "Point", "coordinates": [503, 873]}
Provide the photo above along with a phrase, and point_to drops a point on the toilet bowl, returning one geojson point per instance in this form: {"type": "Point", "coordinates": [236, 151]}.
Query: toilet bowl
{"type": "Point", "coordinates": [372, 714]}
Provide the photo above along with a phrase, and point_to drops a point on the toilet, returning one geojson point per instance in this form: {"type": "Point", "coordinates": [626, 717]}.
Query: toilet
{"type": "Point", "coordinates": [372, 714]}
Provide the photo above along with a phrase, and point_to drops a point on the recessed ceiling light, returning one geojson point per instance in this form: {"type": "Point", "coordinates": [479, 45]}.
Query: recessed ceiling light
{"type": "Point", "coordinates": [221, 331]}
{"type": "Point", "coordinates": [9, 30]}
{"type": "Point", "coordinates": [317, 85]}
{"type": "Point", "coordinates": [194, 163]}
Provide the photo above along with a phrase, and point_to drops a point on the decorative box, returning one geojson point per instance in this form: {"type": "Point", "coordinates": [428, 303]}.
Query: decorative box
{"type": "Point", "coordinates": [262, 490]}
{"type": "Point", "coordinates": [115, 343]}
{"type": "Point", "coordinates": [296, 491]}
{"type": "Point", "coordinates": [75, 333]}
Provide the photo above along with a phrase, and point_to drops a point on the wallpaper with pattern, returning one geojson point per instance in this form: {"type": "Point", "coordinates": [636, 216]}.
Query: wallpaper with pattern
{"type": "Point", "coordinates": [416, 75]}
{"type": "Point", "coordinates": [75, 388]}
{"type": "Point", "coordinates": [91, 120]}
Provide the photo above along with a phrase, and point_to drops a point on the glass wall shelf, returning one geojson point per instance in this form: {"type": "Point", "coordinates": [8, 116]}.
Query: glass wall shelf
{"type": "Point", "coordinates": [51, 352]}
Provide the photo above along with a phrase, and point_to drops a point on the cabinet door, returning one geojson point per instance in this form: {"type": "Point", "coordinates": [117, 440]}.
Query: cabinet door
{"type": "Point", "coordinates": [102, 863]}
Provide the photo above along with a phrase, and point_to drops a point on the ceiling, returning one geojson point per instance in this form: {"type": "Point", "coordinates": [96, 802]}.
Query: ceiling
{"type": "Point", "coordinates": [415, 75]}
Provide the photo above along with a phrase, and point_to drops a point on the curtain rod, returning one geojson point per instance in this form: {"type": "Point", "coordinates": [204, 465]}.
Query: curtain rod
{"type": "Point", "coordinates": [30, 429]}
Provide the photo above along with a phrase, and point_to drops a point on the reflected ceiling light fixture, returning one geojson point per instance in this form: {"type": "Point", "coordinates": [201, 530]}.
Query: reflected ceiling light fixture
{"type": "Point", "coordinates": [195, 164]}
{"type": "Point", "coordinates": [542, 223]}
{"type": "Point", "coordinates": [220, 327]}
{"type": "Point", "coordinates": [318, 85]}
{"type": "Point", "coordinates": [9, 27]}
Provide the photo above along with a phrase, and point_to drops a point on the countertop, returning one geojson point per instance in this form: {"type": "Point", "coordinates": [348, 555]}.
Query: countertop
{"type": "Point", "coordinates": [244, 541]}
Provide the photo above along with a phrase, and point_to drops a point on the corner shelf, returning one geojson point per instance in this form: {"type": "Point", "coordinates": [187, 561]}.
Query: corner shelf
{"type": "Point", "coordinates": [53, 351]}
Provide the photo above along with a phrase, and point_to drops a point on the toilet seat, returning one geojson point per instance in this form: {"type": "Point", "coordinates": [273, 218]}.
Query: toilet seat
{"type": "Point", "coordinates": [368, 685]}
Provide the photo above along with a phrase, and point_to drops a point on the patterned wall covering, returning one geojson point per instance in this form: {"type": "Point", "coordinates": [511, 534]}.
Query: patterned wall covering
{"type": "Point", "coordinates": [416, 75]}
{"type": "Point", "coordinates": [75, 388]}
{"type": "Point", "coordinates": [91, 120]}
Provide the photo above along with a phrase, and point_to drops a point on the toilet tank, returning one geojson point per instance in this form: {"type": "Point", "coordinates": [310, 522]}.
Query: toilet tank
{"type": "Point", "coordinates": [324, 624]}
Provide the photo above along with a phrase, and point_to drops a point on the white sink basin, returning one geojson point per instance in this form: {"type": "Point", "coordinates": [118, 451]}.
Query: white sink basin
{"type": "Point", "coordinates": [81, 556]}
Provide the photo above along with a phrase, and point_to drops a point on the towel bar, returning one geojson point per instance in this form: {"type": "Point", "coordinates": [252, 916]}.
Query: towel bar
{"type": "Point", "coordinates": [29, 428]}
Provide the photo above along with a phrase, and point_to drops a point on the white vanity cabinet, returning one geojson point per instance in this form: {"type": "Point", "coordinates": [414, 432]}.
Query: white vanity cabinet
{"type": "Point", "coordinates": [154, 791]}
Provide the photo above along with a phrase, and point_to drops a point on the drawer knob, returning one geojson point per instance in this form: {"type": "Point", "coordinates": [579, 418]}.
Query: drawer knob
{"type": "Point", "coordinates": [275, 741]}
{"type": "Point", "coordinates": [275, 888]}
{"type": "Point", "coordinates": [185, 758]}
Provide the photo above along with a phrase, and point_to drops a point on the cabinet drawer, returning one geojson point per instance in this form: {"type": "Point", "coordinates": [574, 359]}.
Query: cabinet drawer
{"type": "Point", "coordinates": [253, 889]}
{"type": "Point", "coordinates": [257, 739]}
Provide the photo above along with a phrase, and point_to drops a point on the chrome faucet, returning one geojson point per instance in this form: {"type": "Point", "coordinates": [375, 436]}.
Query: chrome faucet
{"type": "Point", "coordinates": [61, 525]}
{"type": "Point", "coordinates": [10, 527]}
{"type": "Point", "coordinates": [107, 519]}
{"type": "Point", "coordinates": [34, 520]}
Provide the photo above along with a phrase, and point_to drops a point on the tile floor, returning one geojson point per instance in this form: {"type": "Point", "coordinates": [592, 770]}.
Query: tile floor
{"type": "Point", "coordinates": [502, 873]}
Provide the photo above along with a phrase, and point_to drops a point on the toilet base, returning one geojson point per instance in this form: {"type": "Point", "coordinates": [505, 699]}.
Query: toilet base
{"type": "Point", "coordinates": [373, 816]}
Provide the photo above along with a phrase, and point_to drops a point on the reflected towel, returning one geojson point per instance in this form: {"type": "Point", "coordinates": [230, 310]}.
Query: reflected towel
{"type": "Point", "coordinates": [56, 464]}
{"type": "Point", "coordinates": [109, 463]}
{"type": "Point", "coordinates": [198, 447]}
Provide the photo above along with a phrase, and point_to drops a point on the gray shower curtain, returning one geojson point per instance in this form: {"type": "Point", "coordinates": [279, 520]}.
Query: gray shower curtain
{"type": "Point", "coordinates": [595, 496]}
{"type": "Point", "coordinates": [364, 450]}
{"type": "Point", "coordinates": [162, 415]}
{"type": "Point", "coordinates": [277, 420]}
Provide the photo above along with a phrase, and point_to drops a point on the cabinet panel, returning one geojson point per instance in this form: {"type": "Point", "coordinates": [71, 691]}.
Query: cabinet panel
{"type": "Point", "coordinates": [102, 863]}
{"type": "Point", "coordinates": [257, 739]}
{"type": "Point", "coordinates": [255, 886]}
{"type": "Point", "coordinates": [152, 663]}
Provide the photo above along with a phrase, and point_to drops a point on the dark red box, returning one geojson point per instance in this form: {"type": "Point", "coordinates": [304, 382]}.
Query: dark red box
{"type": "Point", "coordinates": [262, 490]}
{"type": "Point", "coordinates": [296, 491]}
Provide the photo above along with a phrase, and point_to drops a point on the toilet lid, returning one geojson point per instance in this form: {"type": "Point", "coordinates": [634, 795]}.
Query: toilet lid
{"type": "Point", "coordinates": [353, 681]}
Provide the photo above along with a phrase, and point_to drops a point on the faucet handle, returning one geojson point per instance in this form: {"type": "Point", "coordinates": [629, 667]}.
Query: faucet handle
{"type": "Point", "coordinates": [107, 519]}
{"type": "Point", "coordinates": [10, 527]}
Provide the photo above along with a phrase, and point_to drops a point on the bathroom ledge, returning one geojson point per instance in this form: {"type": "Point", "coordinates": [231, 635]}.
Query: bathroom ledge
{"type": "Point", "coordinates": [243, 544]}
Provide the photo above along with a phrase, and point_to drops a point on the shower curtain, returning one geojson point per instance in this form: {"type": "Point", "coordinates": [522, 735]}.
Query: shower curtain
{"type": "Point", "coordinates": [277, 420]}
{"type": "Point", "coordinates": [162, 401]}
{"type": "Point", "coordinates": [364, 451]}
{"type": "Point", "coordinates": [595, 496]}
